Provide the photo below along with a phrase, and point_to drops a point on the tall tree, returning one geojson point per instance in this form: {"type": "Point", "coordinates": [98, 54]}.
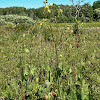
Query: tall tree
{"type": "Point", "coordinates": [96, 4]}
{"type": "Point", "coordinates": [87, 11]}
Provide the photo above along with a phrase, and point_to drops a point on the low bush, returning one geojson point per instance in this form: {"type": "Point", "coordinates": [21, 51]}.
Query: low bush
{"type": "Point", "coordinates": [15, 21]}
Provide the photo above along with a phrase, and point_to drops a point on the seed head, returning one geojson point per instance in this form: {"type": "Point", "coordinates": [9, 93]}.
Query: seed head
{"type": "Point", "coordinates": [44, 2]}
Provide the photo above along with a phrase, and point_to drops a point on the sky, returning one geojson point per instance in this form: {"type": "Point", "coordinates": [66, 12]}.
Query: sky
{"type": "Point", "coordinates": [35, 3]}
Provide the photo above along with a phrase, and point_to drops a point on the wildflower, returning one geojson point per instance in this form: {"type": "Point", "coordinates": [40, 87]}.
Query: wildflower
{"type": "Point", "coordinates": [68, 28]}
{"type": "Point", "coordinates": [46, 7]}
{"type": "Point", "coordinates": [40, 24]}
{"type": "Point", "coordinates": [44, 49]}
{"type": "Point", "coordinates": [60, 55]}
{"type": "Point", "coordinates": [44, 20]}
{"type": "Point", "coordinates": [49, 11]}
{"type": "Point", "coordinates": [54, 3]}
{"type": "Point", "coordinates": [50, 4]}
{"type": "Point", "coordinates": [61, 10]}
{"type": "Point", "coordinates": [59, 7]}
{"type": "Point", "coordinates": [71, 31]}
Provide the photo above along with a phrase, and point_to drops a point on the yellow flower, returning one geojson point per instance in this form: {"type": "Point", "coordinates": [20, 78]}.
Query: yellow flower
{"type": "Point", "coordinates": [46, 7]}
{"type": "Point", "coordinates": [49, 11]}
{"type": "Point", "coordinates": [59, 7]}
{"type": "Point", "coordinates": [71, 31]}
{"type": "Point", "coordinates": [68, 28]}
{"type": "Point", "coordinates": [54, 3]}
{"type": "Point", "coordinates": [40, 24]}
{"type": "Point", "coordinates": [44, 20]}
{"type": "Point", "coordinates": [60, 55]}
{"type": "Point", "coordinates": [50, 4]}
{"type": "Point", "coordinates": [44, 49]}
{"type": "Point", "coordinates": [61, 10]}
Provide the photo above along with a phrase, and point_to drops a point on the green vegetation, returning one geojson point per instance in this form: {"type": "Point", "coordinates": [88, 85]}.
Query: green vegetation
{"type": "Point", "coordinates": [32, 64]}
{"type": "Point", "coordinates": [49, 61]}
{"type": "Point", "coordinates": [15, 22]}
{"type": "Point", "coordinates": [87, 13]}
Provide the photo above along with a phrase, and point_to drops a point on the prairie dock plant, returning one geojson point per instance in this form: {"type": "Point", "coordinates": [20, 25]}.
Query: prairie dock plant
{"type": "Point", "coordinates": [49, 61]}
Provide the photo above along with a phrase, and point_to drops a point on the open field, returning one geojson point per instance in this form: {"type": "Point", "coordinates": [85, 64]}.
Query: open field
{"type": "Point", "coordinates": [92, 24]}
{"type": "Point", "coordinates": [47, 59]}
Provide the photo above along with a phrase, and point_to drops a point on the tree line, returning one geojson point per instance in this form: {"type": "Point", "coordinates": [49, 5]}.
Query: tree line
{"type": "Point", "coordinates": [87, 13]}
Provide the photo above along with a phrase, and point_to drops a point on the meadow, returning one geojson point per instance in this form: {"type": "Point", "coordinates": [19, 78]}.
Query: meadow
{"type": "Point", "coordinates": [50, 60]}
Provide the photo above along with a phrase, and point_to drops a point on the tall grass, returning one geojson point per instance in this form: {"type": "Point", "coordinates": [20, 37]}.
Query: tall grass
{"type": "Point", "coordinates": [50, 62]}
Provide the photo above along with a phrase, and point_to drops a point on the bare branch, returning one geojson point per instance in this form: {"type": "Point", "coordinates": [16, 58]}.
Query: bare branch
{"type": "Point", "coordinates": [77, 7]}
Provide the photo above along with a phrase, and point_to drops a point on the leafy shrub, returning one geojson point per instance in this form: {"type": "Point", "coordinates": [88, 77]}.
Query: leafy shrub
{"type": "Point", "coordinates": [52, 20]}
{"type": "Point", "coordinates": [97, 14]}
{"type": "Point", "coordinates": [17, 19]}
{"type": "Point", "coordinates": [85, 19]}
{"type": "Point", "coordinates": [21, 22]}
{"type": "Point", "coordinates": [62, 19]}
{"type": "Point", "coordinates": [71, 19]}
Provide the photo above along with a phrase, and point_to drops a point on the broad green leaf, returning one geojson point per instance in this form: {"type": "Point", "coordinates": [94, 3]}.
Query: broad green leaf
{"type": "Point", "coordinates": [34, 87]}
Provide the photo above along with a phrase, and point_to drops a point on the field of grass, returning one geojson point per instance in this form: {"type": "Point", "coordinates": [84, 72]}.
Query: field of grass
{"type": "Point", "coordinates": [47, 62]}
{"type": "Point", "coordinates": [92, 24]}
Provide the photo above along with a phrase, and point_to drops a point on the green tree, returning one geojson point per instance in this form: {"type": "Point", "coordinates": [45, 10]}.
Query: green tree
{"type": "Point", "coordinates": [97, 14]}
{"type": "Point", "coordinates": [86, 12]}
{"type": "Point", "coordinates": [96, 4]}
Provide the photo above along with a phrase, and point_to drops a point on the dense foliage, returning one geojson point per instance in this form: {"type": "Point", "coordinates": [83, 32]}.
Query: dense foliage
{"type": "Point", "coordinates": [96, 4]}
{"type": "Point", "coordinates": [42, 62]}
{"type": "Point", "coordinates": [15, 22]}
{"type": "Point", "coordinates": [86, 12]}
